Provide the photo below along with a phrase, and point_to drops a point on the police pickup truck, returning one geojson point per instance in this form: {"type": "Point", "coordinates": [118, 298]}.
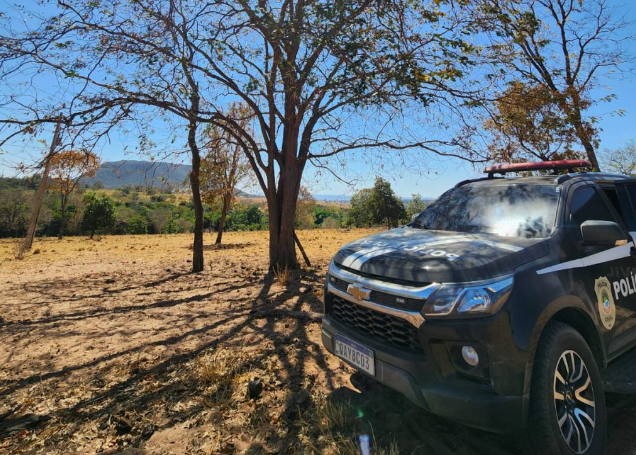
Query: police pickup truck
{"type": "Point", "coordinates": [508, 303]}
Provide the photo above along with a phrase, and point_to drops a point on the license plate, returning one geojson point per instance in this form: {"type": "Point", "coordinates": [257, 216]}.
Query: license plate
{"type": "Point", "coordinates": [356, 354]}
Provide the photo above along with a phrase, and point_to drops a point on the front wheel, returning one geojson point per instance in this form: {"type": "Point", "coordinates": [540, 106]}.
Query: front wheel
{"type": "Point", "coordinates": [567, 404]}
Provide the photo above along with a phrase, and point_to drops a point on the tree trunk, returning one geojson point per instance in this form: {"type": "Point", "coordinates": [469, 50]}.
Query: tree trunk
{"type": "Point", "coordinates": [285, 254]}
{"type": "Point", "coordinates": [281, 204]}
{"type": "Point", "coordinates": [591, 155]}
{"type": "Point", "coordinates": [197, 246]}
{"type": "Point", "coordinates": [28, 241]}
{"type": "Point", "coordinates": [282, 248]}
{"type": "Point", "coordinates": [62, 216]}
{"type": "Point", "coordinates": [581, 132]}
{"type": "Point", "coordinates": [587, 144]}
{"type": "Point", "coordinates": [226, 207]}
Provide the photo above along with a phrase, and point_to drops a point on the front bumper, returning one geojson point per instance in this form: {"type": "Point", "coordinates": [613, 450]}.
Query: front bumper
{"type": "Point", "coordinates": [429, 380]}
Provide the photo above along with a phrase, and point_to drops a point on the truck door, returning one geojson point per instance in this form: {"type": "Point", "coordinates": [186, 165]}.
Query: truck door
{"type": "Point", "coordinates": [610, 269]}
{"type": "Point", "coordinates": [622, 195]}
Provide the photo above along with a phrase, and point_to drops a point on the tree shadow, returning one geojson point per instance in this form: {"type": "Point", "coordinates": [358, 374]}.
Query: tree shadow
{"type": "Point", "coordinates": [291, 345]}
{"type": "Point", "coordinates": [155, 384]}
{"type": "Point", "coordinates": [87, 314]}
{"type": "Point", "coordinates": [130, 394]}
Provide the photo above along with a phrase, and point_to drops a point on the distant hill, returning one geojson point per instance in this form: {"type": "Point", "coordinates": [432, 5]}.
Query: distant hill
{"type": "Point", "coordinates": [118, 174]}
{"type": "Point", "coordinates": [147, 174]}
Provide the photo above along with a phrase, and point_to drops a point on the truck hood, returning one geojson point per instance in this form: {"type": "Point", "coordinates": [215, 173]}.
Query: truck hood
{"type": "Point", "coordinates": [425, 256]}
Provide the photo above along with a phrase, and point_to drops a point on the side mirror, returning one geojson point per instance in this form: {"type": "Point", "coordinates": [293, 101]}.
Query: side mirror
{"type": "Point", "coordinates": [602, 233]}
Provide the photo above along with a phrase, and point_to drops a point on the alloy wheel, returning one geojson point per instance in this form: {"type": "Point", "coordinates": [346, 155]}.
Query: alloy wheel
{"type": "Point", "coordinates": [574, 402]}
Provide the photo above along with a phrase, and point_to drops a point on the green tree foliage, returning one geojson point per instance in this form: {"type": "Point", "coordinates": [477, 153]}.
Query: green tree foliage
{"type": "Point", "coordinates": [137, 225]}
{"type": "Point", "coordinates": [385, 206]}
{"type": "Point", "coordinates": [99, 214]}
{"type": "Point", "coordinates": [246, 218]}
{"type": "Point", "coordinates": [16, 197]}
{"type": "Point", "coordinates": [137, 212]}
{"type": "Point", "coordinates": [14, 212]}
{"type": "Point", "coordinates": [415, 206]}
{"type": "Point", "coordinates": [328, 217]}
{"type": "Point", "coordinates": [360, 211]}
{"type": "Point", "coordinates": [375, 206]}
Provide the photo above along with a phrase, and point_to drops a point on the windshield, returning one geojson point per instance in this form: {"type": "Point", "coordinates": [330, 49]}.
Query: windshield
{"type": "Point", "coordinates": [526, 211]}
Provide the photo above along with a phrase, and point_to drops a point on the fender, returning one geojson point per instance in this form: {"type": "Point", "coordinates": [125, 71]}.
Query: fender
{"type": "Point", "coordinates": [562, 303]}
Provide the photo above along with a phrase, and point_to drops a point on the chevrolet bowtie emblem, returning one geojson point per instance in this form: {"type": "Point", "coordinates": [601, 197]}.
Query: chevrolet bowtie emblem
{"type": "Point", "coordinates": [358, 292]}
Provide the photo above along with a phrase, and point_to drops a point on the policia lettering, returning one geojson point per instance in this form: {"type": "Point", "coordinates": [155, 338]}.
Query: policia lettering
{"type": "Point", "coordinates": [606, 306]}
{"type": "Point", "coordinates": [625, 286]}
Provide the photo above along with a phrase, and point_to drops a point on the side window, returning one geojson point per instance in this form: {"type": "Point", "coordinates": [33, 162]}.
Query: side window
{"type": "Point", "coordinates": [613, 198]}
{"type": "Point", "coordinates": [616, 199]}
{"type": "Point", "coordinates": [627, 209]}
{"type": "Point", "coordinates": [631, 190]}
{"type": "Point", "coordinates": [587, 204]}
{"type": "Point", "coordinates": [630, 195]}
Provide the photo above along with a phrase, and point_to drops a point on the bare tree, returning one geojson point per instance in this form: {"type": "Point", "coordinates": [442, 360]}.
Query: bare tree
{"type": "Point", "coordinates": [566, 46]}
{"type": "Point", "coordinates": [39, 195]}
{"type": "Point", "coordinates": [67, 169]}
{"type": "Point", "coordinates": [224, 166]}
{"type": "Point", "coordinates": [622, 159]}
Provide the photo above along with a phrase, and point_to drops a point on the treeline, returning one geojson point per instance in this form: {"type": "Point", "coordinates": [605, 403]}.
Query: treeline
{"type": "Point", "coordinates": [135, 210]}
{"type": "Point", "coordinates": [138, 211]}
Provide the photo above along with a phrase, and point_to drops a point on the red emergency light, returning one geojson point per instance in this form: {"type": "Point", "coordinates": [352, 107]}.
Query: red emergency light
{"type": "Point", "coordinates": [536, 166]}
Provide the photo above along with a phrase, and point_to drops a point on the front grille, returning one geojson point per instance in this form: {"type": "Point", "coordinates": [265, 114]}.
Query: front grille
{"type": "Point", "coordinates": [383, 327]}
{"type": "Point", "coordinates": [402, 303]}
{"type": "Point", "coordinates": [339, 284]}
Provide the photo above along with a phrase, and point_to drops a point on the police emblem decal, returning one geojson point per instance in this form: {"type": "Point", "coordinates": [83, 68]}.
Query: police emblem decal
{"type": "Point", "coordinates": [606, 306]}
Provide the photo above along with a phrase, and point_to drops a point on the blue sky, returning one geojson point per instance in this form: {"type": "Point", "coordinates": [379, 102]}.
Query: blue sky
{"type": "Point", "coordinates": [440, 174]}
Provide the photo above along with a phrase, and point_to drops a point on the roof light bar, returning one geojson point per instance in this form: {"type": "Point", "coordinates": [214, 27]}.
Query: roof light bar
{"type": "Point", "coordinates": [502, 169]}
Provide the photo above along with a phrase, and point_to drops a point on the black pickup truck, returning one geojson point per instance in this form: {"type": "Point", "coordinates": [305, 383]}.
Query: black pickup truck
{"type": "Point", "coordinates": [508, 303]}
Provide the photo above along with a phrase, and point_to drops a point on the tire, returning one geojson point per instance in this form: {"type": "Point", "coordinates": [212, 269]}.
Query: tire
{"type": "Point", "coordinates": [567, 404]}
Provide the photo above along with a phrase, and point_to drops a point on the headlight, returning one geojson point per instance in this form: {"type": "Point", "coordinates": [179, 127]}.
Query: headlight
{"type": "Point", "coordinates": [458, 300]}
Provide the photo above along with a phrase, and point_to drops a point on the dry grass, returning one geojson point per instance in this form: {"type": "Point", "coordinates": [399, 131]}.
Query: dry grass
{"type": "Point", "coordinates": [320, 245]}
{"type": "Point", "coordinates": [219, 366]}
{"type": "Point", "coordinates": [283, 275]}
{"type": "Point", "coordinates": [218, 374]}
{"type": "Point", "coordinates": [336, 416]}
{"type": "Point", "coordinates": [123, 348]}
{"type": "Point", "coordinates": [335, 427]}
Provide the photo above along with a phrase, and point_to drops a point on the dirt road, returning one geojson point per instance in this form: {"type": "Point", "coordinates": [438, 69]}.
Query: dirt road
{"type": "Point", "coordinates": [112, 346]}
